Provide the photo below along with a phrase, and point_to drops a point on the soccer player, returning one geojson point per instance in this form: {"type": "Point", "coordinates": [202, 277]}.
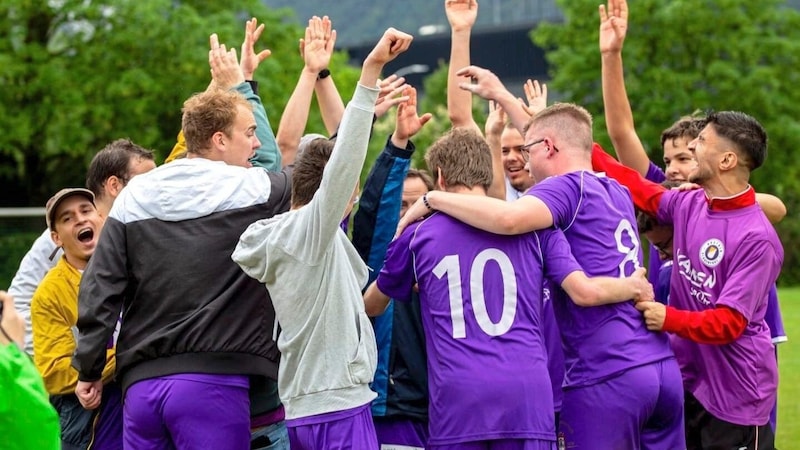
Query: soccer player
{"type": "Point", "coordinates": [481, 296]}
{"type": "Point", "coordinates": [727, 258]}
{"type": "Point", "coordinates": [607, 350]}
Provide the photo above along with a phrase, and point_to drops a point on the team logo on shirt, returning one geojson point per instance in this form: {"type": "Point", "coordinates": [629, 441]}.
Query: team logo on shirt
{"type": "Point", "coordinates": [711, 252]}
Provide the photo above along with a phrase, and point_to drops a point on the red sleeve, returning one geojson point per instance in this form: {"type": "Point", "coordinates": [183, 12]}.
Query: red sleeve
{"type": "Point", "coordinates": [720, 326]}
{"type": "Point", "coordinates": [646, 194]}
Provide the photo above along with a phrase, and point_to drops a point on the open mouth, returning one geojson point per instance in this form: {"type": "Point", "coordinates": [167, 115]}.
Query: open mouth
{"type": "Point", "coordinates": [86, 235]}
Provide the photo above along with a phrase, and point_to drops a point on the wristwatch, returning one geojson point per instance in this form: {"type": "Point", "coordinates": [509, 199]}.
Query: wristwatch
{"type": "Point", "coordinates": [324, 73]}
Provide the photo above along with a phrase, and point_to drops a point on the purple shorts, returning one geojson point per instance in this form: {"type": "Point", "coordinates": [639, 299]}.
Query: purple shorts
{"type": "Point", "coordinates": [188, 411]}
{"type": "Point", "coordinates": [500, 444]}
{"type": "Point", "coordinates": [401, 434]}
{"type": "Point", "coordinates": [351, 429]}
{"type": "Point", "coordinates": [640, 408]}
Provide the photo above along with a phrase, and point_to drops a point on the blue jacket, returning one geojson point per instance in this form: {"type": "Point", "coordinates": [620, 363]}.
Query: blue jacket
{"type": "Point", "coordinates": [401, 379]}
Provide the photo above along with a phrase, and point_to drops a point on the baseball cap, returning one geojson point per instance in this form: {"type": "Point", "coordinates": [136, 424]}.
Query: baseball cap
{"type": "Point", "coordinates": [60, 196]}
{"type": "Point", "coordinates": [305, 140]}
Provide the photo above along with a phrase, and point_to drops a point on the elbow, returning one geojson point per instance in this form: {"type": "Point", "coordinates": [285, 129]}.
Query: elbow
{"type": "Point", "coordinates": [374, 309]}
{"type": "Point", "coordinates": [508, 224]}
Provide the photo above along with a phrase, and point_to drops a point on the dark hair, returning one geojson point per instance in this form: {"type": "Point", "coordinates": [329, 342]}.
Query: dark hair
{"type": "Point", "coordinates": [644, 221]}
{"type": "Point", "coordinates": [686, 127]}
{"type": "Point", "coordinates": [464, 158]}
{"type": "Point", "coordinates": [746, 134]}
{"type": "Point", "coordinates": [114, 160]}
{"type": "Point", "coordinates": [308, 170]}
{"type": "Point", "coordinates": [423, 175]}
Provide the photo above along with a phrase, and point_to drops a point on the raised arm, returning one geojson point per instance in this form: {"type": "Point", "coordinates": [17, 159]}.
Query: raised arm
{"type": "Point", "coordinates": [331, 106]}
{"type": "Point", "coordinates": [316, 49]}
{"type": "Point", "coordinates": [344, 167]}
{"type": "Point", "coordinates": [619, 117]}
{"type": "Point", "coordinates": [376, 219]}
{"type": "Point", "coordinates": [486, 85]}
{"type": "Point", "coordinates": [267, 156]}
{"type": "Point", "coordinates": [461, 14]}
{"type": "Point", "coordinates": [495, 124]}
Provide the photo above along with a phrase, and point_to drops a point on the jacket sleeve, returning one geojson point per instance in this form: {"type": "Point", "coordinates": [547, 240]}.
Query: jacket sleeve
{"type": "Point", "coordinates": [378, 211]}
{"type": "Point", "coordinates": [267, 156]}
{"type": "Point", "coordinates": [32, 269]}
{"type": "Point", "coordinates": [100, 299]}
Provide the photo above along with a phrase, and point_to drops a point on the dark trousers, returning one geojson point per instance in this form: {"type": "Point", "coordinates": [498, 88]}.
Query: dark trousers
{"type": "Point", "coordinates": [706, 432]}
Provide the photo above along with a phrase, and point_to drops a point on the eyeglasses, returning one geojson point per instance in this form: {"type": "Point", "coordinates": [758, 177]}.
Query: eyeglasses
{"type": "Point", "coordinates": [526, 149]}
{"type": "Point", "coordinates": [663, 247]}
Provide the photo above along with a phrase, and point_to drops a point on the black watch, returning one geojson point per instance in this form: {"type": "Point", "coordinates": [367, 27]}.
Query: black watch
{"type": "Point", "coordinates": [324, 73]}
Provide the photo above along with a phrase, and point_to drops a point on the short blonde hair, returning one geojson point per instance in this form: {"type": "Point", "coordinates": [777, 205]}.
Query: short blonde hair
{"type": "Point", "coordinates": [464, 158]}
{"type": "Point", "coordinates": [208, 112]}
{"type": "Point", "coordinates": [570, 122]}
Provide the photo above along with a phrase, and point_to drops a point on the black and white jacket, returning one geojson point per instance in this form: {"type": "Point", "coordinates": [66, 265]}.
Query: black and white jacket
{"type": "Point", "coordinates": [163, 261]}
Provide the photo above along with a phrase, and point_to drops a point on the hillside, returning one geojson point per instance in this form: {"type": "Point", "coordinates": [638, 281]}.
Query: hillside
{"type": "Point", "coordinates": [358, 21]}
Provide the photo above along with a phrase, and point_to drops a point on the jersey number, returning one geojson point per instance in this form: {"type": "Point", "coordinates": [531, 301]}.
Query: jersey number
{"type": "Point", "coordinates": [451, 266]}
{"type": "Point", "coordinates": [631, 253]}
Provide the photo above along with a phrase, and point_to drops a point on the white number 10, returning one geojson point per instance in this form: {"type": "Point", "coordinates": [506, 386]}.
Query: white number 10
{"type": "Point", "coordinates": [451, 266]}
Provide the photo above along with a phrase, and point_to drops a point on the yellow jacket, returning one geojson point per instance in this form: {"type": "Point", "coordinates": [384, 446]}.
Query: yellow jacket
{"type": "Point", "coordinates": [54, 315]}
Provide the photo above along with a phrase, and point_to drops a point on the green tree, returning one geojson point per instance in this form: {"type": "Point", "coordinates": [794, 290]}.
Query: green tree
{"type": "Point", "coordinates": [75, 75]}
{"type": "Point", "coordinates": [685, 55]}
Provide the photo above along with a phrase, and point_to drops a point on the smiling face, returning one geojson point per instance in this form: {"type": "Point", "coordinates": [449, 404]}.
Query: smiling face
{"type": "Point", "coordinates": [678, 159]}
{"type": "Point", "coordinates": [511, 142]}
{"type": "Point", "coordinates": [705, 149]}
{"type": "Point", "coordinates": [77, 228]}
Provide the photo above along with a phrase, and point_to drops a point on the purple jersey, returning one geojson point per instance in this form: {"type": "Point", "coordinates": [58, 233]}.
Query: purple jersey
{"type": "Point", "coordinates": [656, 175]}
{"type": "Point", "coordinates": [729, 258]}
{"type": "Point", "coordinates": [774, 318]}
{"type": "Point", "coordinates": [481, 299]}
{"type": "Point", "coordinates": [596, 215]}
{"type": "Point", "coordinates": [552, 341]}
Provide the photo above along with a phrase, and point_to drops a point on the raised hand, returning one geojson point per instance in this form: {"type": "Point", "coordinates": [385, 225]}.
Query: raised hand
{"type": "Point", "coordinates": [225, 70]}
{"type": "Point", "coordinates": [251, 59]}
{"type": "Point", "coordinates": [495, 122]}
{"type": "Point", "coordinates": [392, 43]}
{"type": "Point", "coordinates": [461, 13]}
{"type": "Point", "coordinates": [408, 122]}
{"type": "Point", "coordinates": [484, 83]}
{"type": "Point", "coordinates": [536, 96]}
{"type": "Point", "coordinates": [390, 88]}
{"type": "Point", "coordinates": [317, 46]}
{"type": "Point", "coordinates": [13, 324]}
{"type": "Point", "coordinates": [613, 26]}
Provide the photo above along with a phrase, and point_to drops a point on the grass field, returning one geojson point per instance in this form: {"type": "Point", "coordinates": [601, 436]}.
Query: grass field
{"type": "Point", "coordinates": [789, 364]}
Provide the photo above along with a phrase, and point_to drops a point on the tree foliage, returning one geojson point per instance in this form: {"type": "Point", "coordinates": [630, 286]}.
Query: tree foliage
{"type": "Point", "coordinates": [685, 55]}
{"type": "Point", "coordinates": [75, 75]}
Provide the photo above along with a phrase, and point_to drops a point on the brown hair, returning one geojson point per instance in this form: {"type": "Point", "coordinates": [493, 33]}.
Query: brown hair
{"type": "Point", "coordinates": [423, 175]}
{"type": "Point", "coordinates": [209, 112]}
{"type": "Point", "coordinates": [114, 160]}
{"type": "Point", "coordinates": [464, 158]}
{"type": "Point", "coordinates": [308, 169]}
{"type": "Point", "coordinates": [687, 127]}
{"type": "Point", "coordinates": [571, 123]}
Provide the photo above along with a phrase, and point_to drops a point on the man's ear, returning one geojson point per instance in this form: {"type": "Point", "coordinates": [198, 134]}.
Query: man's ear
{"type": "Point", "coordinates": [56, 239]}
{"type": "Point", "coordinates": [113, 185]}
{"type": "Point", "coordinates": [218, 140]}
{"type": "Point", "coordinates": [440, 181]}
{"type": "Point", "coordinates": [729, 161]}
